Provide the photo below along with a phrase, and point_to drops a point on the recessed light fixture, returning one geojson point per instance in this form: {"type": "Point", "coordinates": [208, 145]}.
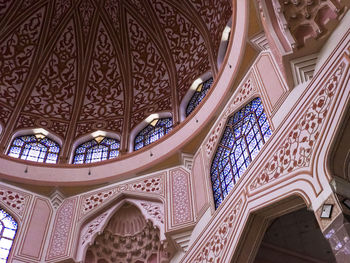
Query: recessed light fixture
{"type": "Point", "coordinates": [326, 211]}
{"type": "Point", "coordinates": [346, 202]}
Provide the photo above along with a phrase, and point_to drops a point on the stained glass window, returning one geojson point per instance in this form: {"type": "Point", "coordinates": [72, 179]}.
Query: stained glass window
{"type": "Point", "coordinates": [153, 132]}
{"type": "Point", "coordinates": [8, 228]}
{"type": "Point", "coordinates": [98, 149]}
{"type": "Point", "coordinates": [198, 95]}
{"type": "Point", "coordinates": [37, 148]}
{"type": "Point", "coordinates": [245, 134]}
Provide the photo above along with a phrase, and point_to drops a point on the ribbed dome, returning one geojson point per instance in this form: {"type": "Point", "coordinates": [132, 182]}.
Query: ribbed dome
{"type": "Point", "coordinates": [127, 221]}
{"type": "Point", "coordinates": [73, 67]}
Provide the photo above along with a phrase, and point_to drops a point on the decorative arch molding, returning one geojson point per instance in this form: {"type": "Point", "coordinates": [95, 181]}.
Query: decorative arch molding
{"type": "Point", "coordinates": [205, 76]}
{"type": "Point", "coordinates": [33, 131]}
{"type": "Point", "coordinates": [89, 137]}
{"type": "Point", "coordinates": [135, 131]}
{"type": "Point", "coordinates": [225, 38]}
{"type": "Point", "coordinates": [151, 210]}
{"type": "Point", "coordinates": [310, 127]}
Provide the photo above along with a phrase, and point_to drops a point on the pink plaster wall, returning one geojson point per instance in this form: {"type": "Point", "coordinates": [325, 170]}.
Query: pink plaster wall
{"type": "Point", "coordinates": [37, 229]}
{"type": "Point", "coordinates": [271, 84]}
{"type": "Point", "coordinates": [199, 186]}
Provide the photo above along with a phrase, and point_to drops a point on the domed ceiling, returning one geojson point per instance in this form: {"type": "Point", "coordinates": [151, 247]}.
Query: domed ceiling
{"type": "Point", "coordinates": [73, 67]}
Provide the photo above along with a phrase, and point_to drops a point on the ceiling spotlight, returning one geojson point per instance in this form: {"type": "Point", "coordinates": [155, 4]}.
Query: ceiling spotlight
{"type": "Point", "coordinates": [326, 211]}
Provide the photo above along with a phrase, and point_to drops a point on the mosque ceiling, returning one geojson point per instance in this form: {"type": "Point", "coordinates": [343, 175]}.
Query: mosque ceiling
{"type": "Point", "coordinates": [76, 66]}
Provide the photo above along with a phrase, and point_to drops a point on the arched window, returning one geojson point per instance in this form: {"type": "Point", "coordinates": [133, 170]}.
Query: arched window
{"type": "Point", "coordinates": [98, 149]}
{"type": "Point", "coordinates": [244, 135]}
{"type": "Point", "coordinates": [37, 148]}
{"type": "Point", "coordinates": [153, 132]}
{"type": "Point", "coordinates": [198, 95]}
{"type": "Point", "coordinates": [8, 228]}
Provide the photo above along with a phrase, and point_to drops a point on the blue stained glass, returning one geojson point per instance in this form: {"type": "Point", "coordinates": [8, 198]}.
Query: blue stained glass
{"type": "Point", "coordinates": [198, 95]}
{"type": "Point", "coordinates": [8, 229]}
{"type": "Point", "coordinates": [93, 151]}
{"type": "Point", "coordinates": [34, 148]}
{"type": "Point", "coordinates": [245, 133]}
{"type": "Point", "coordinates": [152, 133]}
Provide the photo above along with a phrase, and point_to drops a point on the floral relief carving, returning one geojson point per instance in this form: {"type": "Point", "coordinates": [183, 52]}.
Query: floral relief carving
{"type": "Point", "coordinates": [61, 8]}
{"type": "Point", "coordinates": [4, 114]}
{"type": "Point", "coordinates": [150, 75]}
{"type": "Point", "coordinates": [93, 228]}
{"type": "Point", "coordinates": [92, 201]}
{"type": "Point", "coordinates": [53, 94]}
{"type": "Point", "coordinates": [86, 12]}
{"type": "Point", "coordinates": [105, 95]}
{"type": "Point", "coordinates": [181, 201]}
{"type": "Point", "coordinates": [215, 244]}
{"type": "Point", "coordinates": [149, 185]}
{"type": "Point", "coordinates": [296, 149]}
{"type": "Point", "coordinates": [246, 91]}
{"type": "Point", "coordinates": [16, 54]}
{"type": "Point", "coordinates": [154, 211]}
{"type": "Point", "coordinates": [113, 10]}
{"type": "Point", "coordinates": [13, 200]}
{"type": "Point", "coordinates": [185, 59]}
{"type": "Point", "coordinates": [62, 228]}
{"type": "Point", "coordinates": [138, 5]}
{"type": "Point", "coordinates": [25, 121]}
{"type": "Point", "coordinates": [215, 14]}
{"type": "Point", "coordinates": [4, 5]}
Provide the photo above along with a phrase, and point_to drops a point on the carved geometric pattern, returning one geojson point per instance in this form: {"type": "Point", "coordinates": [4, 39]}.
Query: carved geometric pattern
{"type": "Point", "coordinates": [143, 246]}
{"type": "Point", "coordinates": [303, 68]}
{"type": "Point", "coordinates": [53, 95]}
{"type": "Point", "coordinates": [150, 75]}
{"type": "Point", "coordinates": [215, 244]}
{"type": "Point", "coordinates": [296, 149]}
{"type": "Point", "coordinates": [105, 95]}
{"type": "Point", "coordinates": [62, 229]}
{"type": "Point", "coordinates": [16, 54]}
{"type": "Point", "coordinates": [180, 197]}
{"type": "Point", "coordinates": [260, 42]}
{"type": "Point", "coordinates": [91, 201]}
{"type": "Point", "coordinates": [246, 91]}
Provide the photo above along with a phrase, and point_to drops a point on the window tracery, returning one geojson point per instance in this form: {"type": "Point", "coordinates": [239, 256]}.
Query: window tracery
{"type": "Point", "coordinates": [98, 149]}
{"type": "Point", "coordinates": [8, 229]}
{"type": "Point", "coordinates": [153, 132]}
{"type": "Point", "coordinates": [245, 133]}
{"type": "Point", "coordinates": [37, 148]}
{"type": "Point", "coordinates": [198, 95]}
